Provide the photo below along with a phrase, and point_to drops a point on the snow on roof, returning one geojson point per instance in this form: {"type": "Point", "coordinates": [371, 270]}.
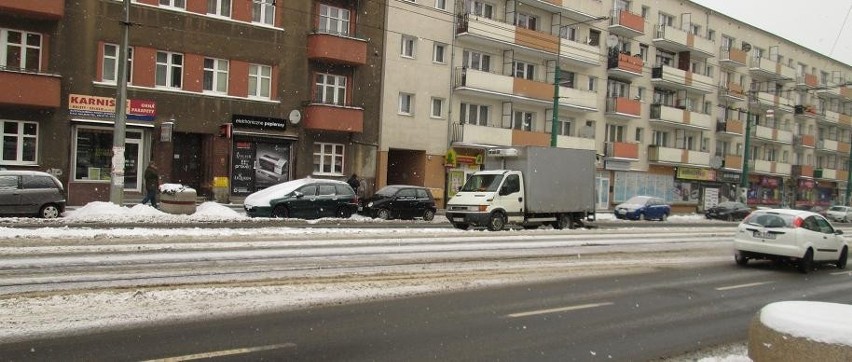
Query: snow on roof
{"type": "Point", "coordinates": [817, 321]}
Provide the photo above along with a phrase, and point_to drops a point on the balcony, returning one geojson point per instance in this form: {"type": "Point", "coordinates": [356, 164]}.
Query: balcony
{"type": "Point", "coordinates": [622, 151]}
{"type": "Point", "coordinates": [772, 167]}
{"type": "Point", "coordinates": [329, 117]}
{"type": "Point", "coordinates": [624, 65]}
{"type": "Point", "coordinates": [331, 48]}
{"type": "Point", "coordinates": [575, 142]}
{"type": "Point", "coordinates": [498, 87]}
{"type": "Point", "coordinates": [825, 173]}
{"type": "Point", "coordinates": [830, 117]}
{"type": "Point", "coordinates": [627, 24]}
{"type": "Point", "coordinates": [732, 58]}
{"type": "Point", "coordinates": [496, 33]}
{"type": "Point", "coordinates": [765, 69]}
{"type": "Point", "coordinates": [732, 92]}
{"type": "Point", "coordinates": [623, 108]}
{"type": "Point", "coordinates": [827, 145]}
{"type": "Point", "coordinates": [802, 171]}
{"type": "Point", "coordinates": [30, 89]}
{"type": "Point", "coordinates": [668, 155]}
{"type": "Point", "coordinates": [770, 100]}
{"type": "Point", "coordinates": [672, 77]}
{"type": "Point", "coordinates": [804, 141]}
{"type": "Point", "coordinates": [773, 135]}
{"type": "Point", "coordinates": [680, 117]}
{"type": "Point", "coordinates": [580, 54]}
{"type": "Point", "coordinates": [41, 9]}
{"type": "Point", "coordinates": [806, 81]}
{"type": "Point", "coordinates": [733, 162]}
{"type": "Point", "coordinates": [805, 111]}
{"type": "Point", "coordinates": [674, 39]}
{"type": "Point", "coordinates": [730, 127]}
{"type": "Point", "coordinates": [835, 89]}
{"type": "Point", "coordinates": [474, 134]}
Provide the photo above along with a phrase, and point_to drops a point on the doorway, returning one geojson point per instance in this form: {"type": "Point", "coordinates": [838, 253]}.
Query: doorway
{"type": "Point", "coordinates": [186, 160]}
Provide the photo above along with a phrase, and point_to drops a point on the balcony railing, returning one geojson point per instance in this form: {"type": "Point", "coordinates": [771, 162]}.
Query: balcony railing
{"type": "Point", "coordinates": [337, 49]}
{"type": "Point", "coordinates": [625, 64]}
{"type": "Point", "coordinates": [329, 117]}
{"type": "Point", "coordinates": [734, 127]}
{"type": "Point", "coordinates": [732, 57]}
{"type": "Point", "coordinates": [678, 156]}
{"type": "Point", "coordinates": [773, 167]}
{"type": "Point", "coordinates": [30, 89]}
{"type": "Point", "coordinates": [681, 117]}
{"type": "Point", "coordinates": [668, 37]}
{"type": "Point", "coordinates": [497, 86]}
{"type": "Point", "coordinates": [623, 108]}
{"type": "Point", "coordinates": [622, 151]}
{"type": "Point", "coordinates": [625, 23]}
{"type": "Point", "coordinates": [42, 9]}
{"type": "Point", "coordinates": [766, 69]}
{"type": "Point", "coordinates": [681, 79]}
{"type": "Point", "coordinates": [773, 135]}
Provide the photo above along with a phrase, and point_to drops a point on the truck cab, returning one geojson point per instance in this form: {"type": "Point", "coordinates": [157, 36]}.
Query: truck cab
{"type": "Point", "coordinates": [486, 194]}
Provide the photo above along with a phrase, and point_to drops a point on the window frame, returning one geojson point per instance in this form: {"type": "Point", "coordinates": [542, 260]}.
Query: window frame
{"type": "Point", "coordinates": [523, 120]}
{"type": "Point", "coordinates": [439, 53]}
{"type": "Point", "coordinates": [481, 111]}
{"type": "Point", "coordinates": [219, 8]}
{"type": "Point", "coordinates": [408, 45]}
{"type": "Point", "coordinates": [341, 22]}
{"type": "Point", "coordinates": [437, 104]}
{"type": "Point", "coordinates": [170, 67]}
{"type": "Point", "coordinates": [255, 74]}
{"type": "Point", "coordinates": [24, 48]}
{"type": "Point", "coordinates": [173, 4]}
{"type": "Point", "coordinates": [406, 104]}
{"type": "Point", "coordinates": [215, 73]}
{"type": "Point", "coordinates": [21, 138]}
{"type": "Point", "coordinates": [114, 67]}
{"type": "Point", "coordinates": [340, 83]}
{"type": "Point", "coordinates": [333, 153]}
{"type": "Point", "coordinates": [263, 12]}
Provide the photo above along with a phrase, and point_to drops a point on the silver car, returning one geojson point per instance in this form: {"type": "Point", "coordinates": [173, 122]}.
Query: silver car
{"type": "Point", "coordinates": [31, 193]}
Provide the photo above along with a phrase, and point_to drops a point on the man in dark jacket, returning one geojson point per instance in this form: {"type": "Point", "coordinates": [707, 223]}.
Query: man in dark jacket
{"type": "Point", "coordinates": [354, 182]}
{"type": "Point", "coordinates": [152, 184]}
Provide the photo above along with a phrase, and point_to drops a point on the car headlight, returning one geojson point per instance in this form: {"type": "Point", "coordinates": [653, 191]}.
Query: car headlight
{"type": "Point", "coordinates": [370, 204]}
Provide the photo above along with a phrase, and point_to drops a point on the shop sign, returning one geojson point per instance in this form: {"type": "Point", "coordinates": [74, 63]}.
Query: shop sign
{"type": "Point", "coordinates": [104, 107]}
{"type": "Point", "coordinates": [806, 184]}
{"type": "Point", "coordinates": [700, 174]}
{"type": "Point", "coordinates": [261, 123]}
{"type": "Point", "coordinates": [730, 177]}
{"type": "Point", "coordinates": [769, 182]}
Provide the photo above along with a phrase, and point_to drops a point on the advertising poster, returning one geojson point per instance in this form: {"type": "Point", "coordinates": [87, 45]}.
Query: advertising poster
{"type": "Point", "coordinates": [242, 175]}
{"type": "Point", "coordinates": [272, 164]}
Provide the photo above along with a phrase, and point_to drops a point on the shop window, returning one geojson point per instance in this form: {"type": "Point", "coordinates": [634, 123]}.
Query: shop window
{"type": "Point", "coordinates": [93, 156]}
{"type": "Point", "coordinates": [328, 159]}
{"type": "Point", "coordinates": [20, 142]}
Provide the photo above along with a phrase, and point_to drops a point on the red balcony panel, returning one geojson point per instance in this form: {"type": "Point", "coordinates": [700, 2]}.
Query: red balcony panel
{"type": "Point", "coordinates": [45, 9]}
{"type": "Point", "coordinates": [527, 138]}
{"type": "Point", "coordinates": [30, 90]}
{"type": "Point", "coordinates": [632, 21]}
{"type": "Point", "coordinates": [628, 106]}
{"type": "Point", "coordinates": [536, 40]}
{"type": "Point", "coordinates": [811, 80]}
{"type": "Point", "coordinates": [532, 89]}
{"type": "Point", "coordinates": [630, 63]}
{"type": "Point", "coordinates": [326, 117]}
{"type": "Point", "coordinates": [803, 171]}
{"type": "Point", "coordinates": [737, 55]}
{"type": "Point", "coordinates": [809, 140]}
{"type": "Point", "coordinates": [843, 147]}
{"type": "Point", "coordinates": [337, 49]}
{"type": "Point", "coordinates": [733, 162]}
{"type": "Point", "coordinates": [734, 126]}
{"type": "Point", "coordinates": [846, 92]}
{"type": "Point", "coordinates": [624, 150]}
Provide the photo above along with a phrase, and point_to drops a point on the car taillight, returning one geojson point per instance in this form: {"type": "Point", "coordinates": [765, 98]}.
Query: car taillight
{"type": "Point", "coordinates": [798, 222]}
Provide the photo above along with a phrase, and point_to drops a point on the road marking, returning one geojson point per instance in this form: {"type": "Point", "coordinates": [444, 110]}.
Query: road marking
{"type": "Point", "coordinates": [557, 310]}
{"type": "Point", "coordinates": [842, 273]}
{"type": "Point", "coordinates": [229, 352]}
{"type": "Point", "coordinates": [742, 286]}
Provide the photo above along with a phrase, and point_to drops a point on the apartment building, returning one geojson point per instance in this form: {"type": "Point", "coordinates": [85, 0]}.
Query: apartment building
{"type": "Point", "coordinates": [226, 96]}
{"type": "Point", "coordinates": [664, 91]}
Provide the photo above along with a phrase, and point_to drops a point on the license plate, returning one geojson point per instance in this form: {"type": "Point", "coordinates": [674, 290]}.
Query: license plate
{"type": "Point", "coordinates": [764, 235]}
{"type": "Point", "coordinates": [360, 208]}
{"type": "Point", "coordinates": [458, 219]}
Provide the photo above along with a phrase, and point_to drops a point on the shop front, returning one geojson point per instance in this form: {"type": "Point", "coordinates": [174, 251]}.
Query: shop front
{"type": "Point", "coordinates": [765, 191]}
{"type": "Point", "coordinates": [703, 188]}
{"type": "Point", "coordinates": [460, 164]}
{"type": "Point", "coordinates": [261, 153]}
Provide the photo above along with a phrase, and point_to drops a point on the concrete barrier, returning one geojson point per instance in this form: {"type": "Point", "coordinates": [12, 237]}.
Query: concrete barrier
{"type": "Point", "coordinates": [177, 199]}
{"type": "Point", "coordinates": [806, 331]}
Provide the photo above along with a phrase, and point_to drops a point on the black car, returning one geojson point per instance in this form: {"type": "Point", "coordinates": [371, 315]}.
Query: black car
{"type": "Point", "coordinates": [400, 202]}
{"type": "Point", "coordinates": [729, 210]}
{"type": "Point", "coordinates": [306, 198]}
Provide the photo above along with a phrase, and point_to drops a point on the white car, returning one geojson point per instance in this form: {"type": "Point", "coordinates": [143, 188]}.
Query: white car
{"type": "Point", "coordinates": [839, 213]}
{"type": "Point", "coordinates": [800, 236]}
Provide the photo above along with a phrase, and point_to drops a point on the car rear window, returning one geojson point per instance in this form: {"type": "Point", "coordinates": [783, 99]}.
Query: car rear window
{"type": "Point", "coordinates": [8, 182]}
{"type": "Point", "coordinates": [37, 182]}
{"type": "Point", "coordinates": [838, 208]}
{"type": "Point", "coordinates": [769, 220]}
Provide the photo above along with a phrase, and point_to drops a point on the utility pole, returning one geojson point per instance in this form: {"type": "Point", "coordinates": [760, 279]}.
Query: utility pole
{"type": "Point", "coordinates": [746, 154]}
{"type": "Point", "coordinates": [116, 190]}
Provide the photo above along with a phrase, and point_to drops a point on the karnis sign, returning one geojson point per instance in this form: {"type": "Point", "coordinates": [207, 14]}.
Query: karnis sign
{"type": "Point", "coordinates": [104, 107]}
{"type": "Point", "coordinates": [261, 123]}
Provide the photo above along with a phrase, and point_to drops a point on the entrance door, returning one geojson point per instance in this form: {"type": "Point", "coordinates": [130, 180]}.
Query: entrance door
{"type": "Point", "coordinates": [186, 161]}
{"type": "Point", "coordinates": [603, 194]}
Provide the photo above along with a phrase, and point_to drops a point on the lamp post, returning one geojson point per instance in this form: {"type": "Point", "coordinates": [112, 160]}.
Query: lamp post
{"type": "Point", "coordinates": [554, 127]}
{"type": "Point", "coordinates": [116, 190]}
{"type": "Point", "coordinates": [746, 151]}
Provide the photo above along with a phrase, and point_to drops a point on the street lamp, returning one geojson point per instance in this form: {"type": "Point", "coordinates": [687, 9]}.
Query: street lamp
{"type": "Point", "coordinates": [116, 189]}
{"type": "Point", "coordinates": [554, 127]}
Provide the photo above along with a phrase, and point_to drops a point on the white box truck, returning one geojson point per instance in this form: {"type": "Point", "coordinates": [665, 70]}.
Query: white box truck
{"type": "Point", "coordinates": [528, 186]}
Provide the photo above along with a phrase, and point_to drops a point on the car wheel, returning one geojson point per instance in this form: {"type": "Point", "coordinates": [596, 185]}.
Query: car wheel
{"type": "Point", "coordinates": [664, 217]}
{"type": "Point", "coordinates": [730, 217]}
{"type": "Point", "coordinates": [49, 211]}
{"type": "Point", "coordinates": [807, 262]}
{"type": "Point", "coordinates": [383, 214]}
{"type": "Point", "coordinates": [344, 212]}
{"type": "Point", "coordinates": [428, 215]}
{"type": "Point", "coordinates": [496, 222]}
{"type": "Point", "coordinates": [280, 212]}
{"type": "Point", "coordinates": [642, 216]}
{"type": "Point", "coordinates": [741, 259]}
{"type": "Point", "coordinates": [460, 225]}
{"type": "Point", "coordinates": [841, 262]}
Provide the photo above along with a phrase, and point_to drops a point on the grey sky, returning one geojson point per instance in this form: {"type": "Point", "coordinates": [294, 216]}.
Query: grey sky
{"type": "Point", "coordinates": [814, 24]}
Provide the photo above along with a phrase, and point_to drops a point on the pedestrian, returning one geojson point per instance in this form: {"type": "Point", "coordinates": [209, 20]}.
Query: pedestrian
{"type": "Point", "coordinates": [152, 184]}
{"type": "Point", "coordinates": [354, 182]}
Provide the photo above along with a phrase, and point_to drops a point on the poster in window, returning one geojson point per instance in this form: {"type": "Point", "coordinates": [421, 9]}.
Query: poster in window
{"type": "Point", "coordinates": [242, 174]}
{"type": "Point", "coordinates": [272, 165]}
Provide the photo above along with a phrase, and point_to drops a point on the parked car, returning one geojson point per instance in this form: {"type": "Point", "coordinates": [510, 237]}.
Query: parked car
{"type": "Point", "coordinates": [31, 193]}
{"type": "Point", "coordinates": [839, 213]}
{"type": "Point", "coordinates": [803, 237]}
{"type": "Point", "coordinates": [728, 210]}
{"type": "Point", "coordinates": [400, 201]}
{"type": "Point", "coordinates": [306, 198]}
{"type": "Point", "coordinates": [643, 208]}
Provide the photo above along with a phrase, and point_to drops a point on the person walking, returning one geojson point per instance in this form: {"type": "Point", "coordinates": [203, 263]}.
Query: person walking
{"type": "Point", "coordinates": [152, 184]}
{"type": "Point", "coordinates": [354, 182]}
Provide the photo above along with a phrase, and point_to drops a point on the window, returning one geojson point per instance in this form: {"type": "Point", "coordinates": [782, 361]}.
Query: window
{"type": "Point", "coordinates": [260, 81]}
{"type": "Point", "coordinates": [661, 138]}
{"type": "Point", "coordinates": [20, 50]}
{"type": "Point", "coordinates": [439, 53]}
{"type": "Point", "coordinates": [566, 79]}
{"type": "Point", "coordinates": [711, 35]}
{"type": "Point", "coordinates": [331, 89]}
{"type": "Point", "coordinates": [474, 114]}
{"type": "Point", "coordinates": [219, 8]}
{"type": "Point", "coordinates": [476, 60]}
{"type": "Point", "coordinates": [333, 20]}
{"type": "Point", "coordinates": [20, 142]}
{"type": "Point", "coordinates": [523, 121]}
{"type": "Point", "coordinates": [93, 156]}
{"type": "Point", "coordinates": [523, 70]}
{"type": "Point", "coordinates": [437, 108]}
{"type": "Point", "coordinates": [643, 52]}
{"type": "Point", "coordinates": [328, 158]}
{"type": "Point", "coordinates": [482, 9]}
{"type": "Point", "coordinates": [615, 133]}
{"type": "Point", "coordinates": [665, 20]}
{"type": "Point", "coordinates": [263, 12]}
{"type": "Point", "coordinates": [640, 93]}
{"type": "Point", "coordinates": [645, 11]}
{"type": "Point", "coordinates": [568, 32]}
{"type": "Point", "coordinates": [589, 130]}
{"type": "Point", "coordinates": [406, 104]}
{"type": "Point", "coordinates": [109, 72]}
{"type": "Point", "coordinates": [727, 42]}
{"type": "Point", "coordinates": [640, 135]}
{"type": "Point", "coordinates": [169, 70]}
{"type": "Point", "coordinates": [441, 4]}
{"type": "Point", "coordinates": [564, 127]}
{"type": "Point", "coordinates": [664, 58]}
{"type": "Point", "coordinates": [407, 46]}
{"type": "Point", "coordinates": [177, 4]}
{"type": "Point", "coordinates": [593, 84]}
{"type": "Point", "coordinates": [526, 21]}
{"type": "Point", "coordinates": [215, 76]}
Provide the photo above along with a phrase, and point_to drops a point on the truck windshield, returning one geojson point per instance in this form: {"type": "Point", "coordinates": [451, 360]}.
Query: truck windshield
{"type": "Point", "coordinates": [482, 183]}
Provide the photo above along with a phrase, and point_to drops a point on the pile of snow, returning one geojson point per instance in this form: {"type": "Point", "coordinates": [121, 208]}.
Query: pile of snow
{"type": "Point", "coordinates": [829, 323]}
{"type": "Point", "coordinates": [100, 211]}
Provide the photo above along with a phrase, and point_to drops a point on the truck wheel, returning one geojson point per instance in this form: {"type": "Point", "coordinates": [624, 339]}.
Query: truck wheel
{"type": "Point", "coordinates": [562, 221]}
{"type": "Point", "coordinates": [496, 222]}
{"type": "Point", "coordinates": [460, 225]}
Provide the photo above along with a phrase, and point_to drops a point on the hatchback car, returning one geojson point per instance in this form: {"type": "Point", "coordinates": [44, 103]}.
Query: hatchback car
{"type": "Point", "coordinates": [306, 198]}
{"type": "Point", "coordinates": [800, 236]}
{"type": "Point", "coordinates": [729, 210]}
{"type": "Point", "coordinates": [643, 208]}
{"type": "Point", "coordinates": [400, 201]}
{"type": "Point", "coordinates": [31, 193]}
{"type": "Point", "coordinates": [839, 213]}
